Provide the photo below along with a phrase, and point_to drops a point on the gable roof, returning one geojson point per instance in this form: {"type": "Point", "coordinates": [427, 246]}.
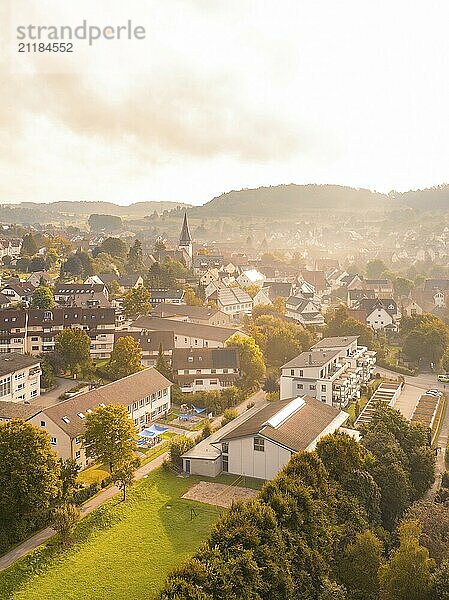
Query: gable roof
{"type": "Point", "coordinates": [205, 358]}
{"type": "Point", "coordinates": [313, 358]}
{"type": "Point", "coordinates": [13, 361]}
{"type": "Point", "coordinates": [186, 328]}
{"type": "Point", "coordinates": [166, 309]}
{"type": "Point", "coordinates": [294, 423]}
{"type": "Point", "coordinates": [125, 391]}
{"type": "Point", "coordinates": [336, 341]}
{"type": "Point", "coordinates": [17, 410]}
{"type": "Point", "coordinates": [150, 341]}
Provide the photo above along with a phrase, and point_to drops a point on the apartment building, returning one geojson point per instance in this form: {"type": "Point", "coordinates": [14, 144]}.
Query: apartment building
{"type": "Point", "coordinates": [83, 295]}
{"type": "Point", "coordinates": [203, 315]}
{"type": "Point", "coordinates": [33, 331]}
{"type": "Point", "coordinates": [145, 394]}
{"type": "Point", "coordinates": [333, 371]}
{"type": "Point", "coordinates": [186, 334]}
{"type": "Point", "coordinates": [205, 369]}
{"type": "Point", "coordinates": [20, 378]}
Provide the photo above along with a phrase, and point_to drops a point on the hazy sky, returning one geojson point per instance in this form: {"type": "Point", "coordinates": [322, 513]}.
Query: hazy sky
{"type": "Point", "coordinates": [226, 94]}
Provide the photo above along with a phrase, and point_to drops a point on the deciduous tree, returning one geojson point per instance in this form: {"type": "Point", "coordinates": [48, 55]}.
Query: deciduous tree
{"type": "Point", "coordinates": [43, 298]}
{"type": "Point", "coordinates": [73, 346]}
{"type": "Point", "coordinates": [406, 575]}
{"type": "Point", "coordinates": [252, 363]}
{"type": "Point", "coordinates": [110, 435]}
{"type": "Point", "coordinates": [126, 358]}
{"type": "Point", "coordinates": [29, 473]}
{"type": "Point", "coordinates": [137, 302]}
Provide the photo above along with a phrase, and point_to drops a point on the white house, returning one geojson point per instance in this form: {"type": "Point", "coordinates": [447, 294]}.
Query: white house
{"type": "Point", "coordinates": [303, 310]}
{"type": "Point", "coordinates": [262, 440]}
{"type": "Point", "coordinates": [20, 377]}
{"type": "Point", "coordinates": [333, 371]}
{"type": "Point", "coordinates": [251, 277]}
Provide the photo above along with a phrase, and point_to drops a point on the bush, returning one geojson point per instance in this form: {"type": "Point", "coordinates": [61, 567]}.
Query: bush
{"type": "Point", "coordinates": [65, 518]}
{"type": "Point", "coordinates": [229, 415]}
{"type": "Point", "coordinates": [396, 368]}
{"type": "Point", "coordinates": [178, 445]}
{"type": "Point", "coordinates": [445, 480]}
{"type": "Point", "coordinates": [83, 494]}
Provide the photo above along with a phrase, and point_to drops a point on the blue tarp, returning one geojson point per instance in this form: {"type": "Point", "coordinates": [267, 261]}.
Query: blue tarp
{"type": "Point", "coordinates": [152, 431]}
{"type": "Point", "coordinates": [186, 417]}
{"type": "Point", "coordinates": [198, 410]}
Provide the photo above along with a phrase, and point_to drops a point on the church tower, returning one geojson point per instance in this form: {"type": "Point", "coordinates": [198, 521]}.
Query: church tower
{"type": "Point", "coordinates": [185, 239]}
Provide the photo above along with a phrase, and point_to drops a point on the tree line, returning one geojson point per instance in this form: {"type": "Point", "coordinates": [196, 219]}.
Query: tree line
{"type": "Point", "coordinates": [332, 525]}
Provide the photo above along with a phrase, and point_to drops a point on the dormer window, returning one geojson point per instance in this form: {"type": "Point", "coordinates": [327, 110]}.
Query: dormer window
{"type": "Point", "coordinates": [66, 419]}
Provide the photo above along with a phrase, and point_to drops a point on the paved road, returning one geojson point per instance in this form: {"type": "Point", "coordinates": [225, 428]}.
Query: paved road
{"type": "Point", "coordinates": [424, 382]}
{"type": "Point", "coordinates": [44, 535]}
{"type": "Point", "coordinates": [52, 397]}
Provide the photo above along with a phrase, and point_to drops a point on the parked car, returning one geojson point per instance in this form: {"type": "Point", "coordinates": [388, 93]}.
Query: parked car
{"type": "Point", "coordinates": [444, 377]}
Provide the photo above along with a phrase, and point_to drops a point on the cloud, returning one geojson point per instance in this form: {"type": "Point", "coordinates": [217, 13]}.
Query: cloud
{"type": "Point", "coordinates": [176, 115]}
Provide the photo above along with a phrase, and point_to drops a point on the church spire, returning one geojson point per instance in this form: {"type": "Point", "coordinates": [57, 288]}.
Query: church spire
{"type": "Point", "coordinates": [185, 238]}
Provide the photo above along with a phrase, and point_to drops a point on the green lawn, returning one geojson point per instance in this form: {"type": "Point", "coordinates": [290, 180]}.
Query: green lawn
{"type": "Point", "coordinates": [122, 551]}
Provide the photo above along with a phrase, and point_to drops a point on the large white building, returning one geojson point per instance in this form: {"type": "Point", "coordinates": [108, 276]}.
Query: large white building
{"type": "Point", "coordinates": [333, 371]}
{"type": "Point", "coordinates": [145, 394]}
{"type": "Point", "coordinates": [20, 377]}
{"type": "Point", "coordinates": [263, 439]}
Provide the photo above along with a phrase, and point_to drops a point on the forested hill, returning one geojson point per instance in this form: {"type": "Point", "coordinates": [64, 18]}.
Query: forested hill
{"type": "Point", "coordinates": [293, 200]}
{"type": "Point", "coordinates": [435, 198]}
{"type": "Point", "coordinates": [108, 208]}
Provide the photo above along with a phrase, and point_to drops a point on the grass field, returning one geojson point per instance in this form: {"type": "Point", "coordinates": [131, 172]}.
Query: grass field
{"type": "Point", "coordinates": [122, 551]}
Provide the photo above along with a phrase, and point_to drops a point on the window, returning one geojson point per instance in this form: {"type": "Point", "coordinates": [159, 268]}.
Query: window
{"type": "Point", "coordinates": [292, 372]}
{"type": "Point", "coordinates": [214, 382]}
{"type": "Point", "coordinates": [54, 441]}
{"type": "Point", "coordinates": [312, 387]}
{"type": "Point", "coordinates": [225, 447]}
{"type": "Point", "coordinates": [42, 423]}
{"type": "Point", "coordinates": [78, 454]}
{"type": "Point", "coordinates": [199, 382]}
{"type": "Point", "coordinates": [300, 386]}
{"type": "Point", "coordinates": [259, 444]}
{"type": "Point", "coordinates": [5, 386]}
{"type": "Point", "coordinates": [213, 370]}
{"type": "Point", "coordinates": [33, 394]}
{"type": "Point", "coordinates": [225, 463]}
{"type": "Point", "coordinates": [323, 388]}
{"type": "Point", "coordinates": [141, 402]}
{"type": "Point", "coordinates": [301, 373]}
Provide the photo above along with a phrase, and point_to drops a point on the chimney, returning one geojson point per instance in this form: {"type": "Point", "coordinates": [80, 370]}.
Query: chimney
{"type": "Point", "coordinates": [310, 358]}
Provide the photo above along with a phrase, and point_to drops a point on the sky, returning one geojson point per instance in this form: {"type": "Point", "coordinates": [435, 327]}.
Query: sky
{"type": "Point", "coordinates": [223, 95]}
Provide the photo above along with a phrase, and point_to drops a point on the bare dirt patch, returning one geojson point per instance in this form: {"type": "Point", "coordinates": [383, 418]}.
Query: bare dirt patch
{"type": "Point", "coordinates": [218, 494]}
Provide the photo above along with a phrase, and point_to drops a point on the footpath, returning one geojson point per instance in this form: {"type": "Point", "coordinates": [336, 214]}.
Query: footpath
{"type": "Point", "coordinates": [42, 536]}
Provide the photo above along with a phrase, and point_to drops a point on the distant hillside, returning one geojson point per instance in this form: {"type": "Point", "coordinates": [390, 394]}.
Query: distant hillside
{"type": "Point", "coordinates": [292, 200]}
{"type": "Point", "coordinates": [138, 209]}
{"type": "Point", "coordinates": [435, 198]}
